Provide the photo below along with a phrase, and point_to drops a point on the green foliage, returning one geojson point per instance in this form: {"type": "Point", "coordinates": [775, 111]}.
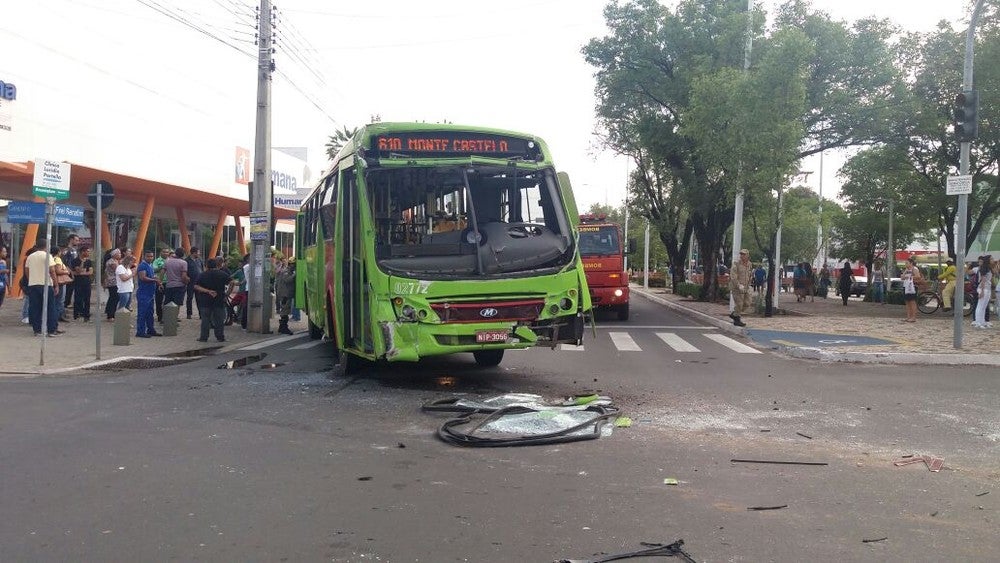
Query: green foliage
{"type": "Point", "coordinates": [685, 289]}
{"type": "Point", "coordinates": [337, 141]}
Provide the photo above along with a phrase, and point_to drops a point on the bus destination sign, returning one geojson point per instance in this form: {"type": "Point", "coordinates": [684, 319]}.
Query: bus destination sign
{"type": "Point", "coordinates": [454, 143]}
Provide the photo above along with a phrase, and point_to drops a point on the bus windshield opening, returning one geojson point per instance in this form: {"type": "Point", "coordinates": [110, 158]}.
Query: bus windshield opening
{"type": "Point", "coordinates": [467, 221]}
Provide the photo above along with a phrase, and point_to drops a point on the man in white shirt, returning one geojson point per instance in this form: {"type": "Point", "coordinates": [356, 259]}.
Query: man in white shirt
{"type": "Point", "coordinates": [38, 265]}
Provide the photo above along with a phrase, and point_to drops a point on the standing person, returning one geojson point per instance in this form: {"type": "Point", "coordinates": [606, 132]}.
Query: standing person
{"type": "Point", "coordinates": [739, 287]}
{"type": "Point", "coordinates": [824, 280]}
{"type": "Point", "coordinates": [64, 278]}
{"type": "Point", "coordinates": [195, 267]}
{"type": "Point", "coordinates": [799, 282]}
{"type": "Point", "coordinates": [160, 274]}
{"type": "Point", "coordinates": [69, 254]}
{"type": "Point", "coordinates": [125, 279]}
{"type": "Point", "coordinates": [996, 282]}
{"type": "Point", "coordinates": [38, 265]}
{"type": "Point", "coordinates": [759, 276]}
{"type": "Point", "coordinates": [911, 279]}
{"type": "Point", "coordinates": [83, 275]}
{"type": "Point", "coordinates": [4, 274]}
{"type": "Point", "coordinates": [284, 293]}
{"type": "Point", "coordinates": [947, 278]}
{"type": "Point", "coordinates": [983, 291]}
{"type": "Point", "coordinates": [176, 278]}
{"type": "Point", "coordinates": [111, 282]}
{"type": "Point", "coordinates": [144, 327]}
{"type": "Point", "coordinates": [211, 289]}
{"type": "Point", "coordinates": [878, 280]}
{"type": "Point", "coordinates": [845, 281]}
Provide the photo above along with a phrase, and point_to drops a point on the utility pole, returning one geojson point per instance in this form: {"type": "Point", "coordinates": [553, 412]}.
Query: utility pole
{"type": "Point", "coordinates": [963, 199]}
{"type": "Point", "coordinates": [261, 197]}
{"type": "Point", "coordinates": [738, 205]}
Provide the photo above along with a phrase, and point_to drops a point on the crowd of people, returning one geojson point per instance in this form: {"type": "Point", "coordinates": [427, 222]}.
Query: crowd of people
{"type": "Point", "coordinates": [142, 285]}
{"type": "Point", "coordinates": [981, 276]}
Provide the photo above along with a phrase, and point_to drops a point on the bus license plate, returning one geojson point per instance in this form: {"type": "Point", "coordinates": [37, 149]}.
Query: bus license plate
{"type": "Point", "coordinates": [486, 336]}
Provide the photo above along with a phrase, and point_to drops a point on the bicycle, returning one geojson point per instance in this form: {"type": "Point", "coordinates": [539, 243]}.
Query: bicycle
{"type": "Point", "coordinates": [929, 301]}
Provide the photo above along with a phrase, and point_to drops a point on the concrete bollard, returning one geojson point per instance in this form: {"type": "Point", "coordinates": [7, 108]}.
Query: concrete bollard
{"type": "Point", "coordinates": [170, 312]}
{"type": "Point", "coordinates": [123, 327]}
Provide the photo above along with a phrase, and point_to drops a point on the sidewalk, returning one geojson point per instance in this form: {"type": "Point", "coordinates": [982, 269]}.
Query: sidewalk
{"type": "Point", "coordinates": [928, 341]}
{"type": "Point", "coordinates": [76, 349]}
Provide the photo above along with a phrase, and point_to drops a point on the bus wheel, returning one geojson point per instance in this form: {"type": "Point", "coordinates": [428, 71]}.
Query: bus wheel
{"type": "Point", "coordinates": [488, 358]}
{"type": "Point", "coordinates": [623, 312]}
{"type": "Point", "coordinates": [315, 332]}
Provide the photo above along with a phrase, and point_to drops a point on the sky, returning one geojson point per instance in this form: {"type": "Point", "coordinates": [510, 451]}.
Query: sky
{"type": "Point", "coordinates": [120, 84]}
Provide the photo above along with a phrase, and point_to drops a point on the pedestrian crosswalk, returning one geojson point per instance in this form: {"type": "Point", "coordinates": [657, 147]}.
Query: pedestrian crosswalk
{"type": "Point", "coordinates": [624, 342]}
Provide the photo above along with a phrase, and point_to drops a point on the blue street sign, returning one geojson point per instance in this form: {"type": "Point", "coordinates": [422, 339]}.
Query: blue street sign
{"type": "Point", "coordinates": [24, 212]}
{"type": "Point", "coordinates": [27, 212]}
{"type": "Point", "coordinates": [68, 216]}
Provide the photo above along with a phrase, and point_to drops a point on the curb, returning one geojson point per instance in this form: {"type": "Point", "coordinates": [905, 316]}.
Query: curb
{"type": "Point", "coordinates": [810, 353]}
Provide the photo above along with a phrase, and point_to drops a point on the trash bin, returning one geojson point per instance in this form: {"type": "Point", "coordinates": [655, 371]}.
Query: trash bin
{"type": "Point", "coordinates": [123, 327]}
{"type": "Point", "coordinates": [170, 312]}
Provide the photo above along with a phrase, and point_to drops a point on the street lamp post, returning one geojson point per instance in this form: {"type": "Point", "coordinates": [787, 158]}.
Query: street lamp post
{"type": "Point", "coordinates": [738, 205]}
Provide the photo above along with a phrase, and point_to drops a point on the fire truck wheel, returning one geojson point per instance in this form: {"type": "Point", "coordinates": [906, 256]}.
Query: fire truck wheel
{"type": "Point", "coordinates": [623, 312]}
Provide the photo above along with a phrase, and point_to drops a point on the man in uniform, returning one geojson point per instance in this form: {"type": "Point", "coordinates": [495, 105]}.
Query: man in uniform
{"type": "Point", "coordinates": [739, 286]}
{"type": "Point", "coordinates": [947, 277]}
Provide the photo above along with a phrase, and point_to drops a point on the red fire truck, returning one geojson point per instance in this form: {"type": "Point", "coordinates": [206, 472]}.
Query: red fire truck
{"type": "Point", "coordinates": [602, 250]}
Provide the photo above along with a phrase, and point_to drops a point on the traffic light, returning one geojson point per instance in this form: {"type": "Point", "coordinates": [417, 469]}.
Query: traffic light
{"type": "Point", "coordinates": [967, 116]}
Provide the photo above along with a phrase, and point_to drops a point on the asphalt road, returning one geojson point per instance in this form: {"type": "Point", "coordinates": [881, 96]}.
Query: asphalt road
{"type": "Point", "coordinates": [297, 462]}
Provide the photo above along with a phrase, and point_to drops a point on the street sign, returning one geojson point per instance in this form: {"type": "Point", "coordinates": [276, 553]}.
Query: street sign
{"type": "Point", "coordinates": [107, 194]}
{"type": "Point", "coordinates": [68, 216]}
{"type": "Point", "coordinates": [26, 212]}
{"type": "Point", "coordinates": [259, 225]}
{"type": "Point", "coordinates": [51, 179]}
{"type": "Point", "coordinates": [959, 185]}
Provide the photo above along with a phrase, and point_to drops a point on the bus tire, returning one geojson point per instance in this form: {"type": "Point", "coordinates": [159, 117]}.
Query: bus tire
{"type": "Point", "coordinates": [315, 332]}
{"type": "Point", "coordinates": [488, 358]}
{"type": "Point", "coordinates": [623, 312]}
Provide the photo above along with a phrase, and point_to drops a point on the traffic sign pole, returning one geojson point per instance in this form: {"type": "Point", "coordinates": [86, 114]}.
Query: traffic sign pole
{"type": "Point", "coordinates": [49, 210]}
{"type": "Point", "coordinates": [99, 255]}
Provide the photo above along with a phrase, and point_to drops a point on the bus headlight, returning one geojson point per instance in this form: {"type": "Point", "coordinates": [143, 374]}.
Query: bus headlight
{"type": "Point", "coordinates": [565, 304]}
{"type": "Point", "coordinates": [409, 312]}
{"type": "Point", "coordinates": [618, 293]}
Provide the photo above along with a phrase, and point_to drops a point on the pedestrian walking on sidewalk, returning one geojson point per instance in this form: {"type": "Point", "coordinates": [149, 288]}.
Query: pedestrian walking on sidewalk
{"type": "Point", "coordinates": [799, 282]}
{"type": "Point", "coordinates": [144, 296]}
{"type": "Point", "coordinates": [739, 287]}
{"type": "Point", "coordinates": [878, 281]}
{"type": "Point", "coordinates": [911, 278]}
{"type": "Point", "coordinates": [83, 276]}
{"type": "Point", "coordinates": [983, 292]}
{"type": "Point", "coordinates": [845, 281]}
{"type": "Point", "coordinates": [4, 274]}
{"type": "Point", "coordinates": [284, 293]}
{"type": "Point", "coordinates": [111, 283]}
{"type": "Point", "coordinates": [211, 289]}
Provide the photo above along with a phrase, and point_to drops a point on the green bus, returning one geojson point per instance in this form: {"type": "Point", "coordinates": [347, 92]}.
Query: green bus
{"type": "Point", "coordinates": [430, 239]}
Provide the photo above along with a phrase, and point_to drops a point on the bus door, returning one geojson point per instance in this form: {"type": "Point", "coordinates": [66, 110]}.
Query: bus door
{"type": "Point", "coordinates": [354, 281]}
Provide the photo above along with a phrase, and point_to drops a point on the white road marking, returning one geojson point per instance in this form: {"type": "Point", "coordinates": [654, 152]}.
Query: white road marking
{"type": "Point", "coordinates": [273, 341]}
{"type": "Point", "coordinates": [656, 327]}
{"type": "Point", "coordinates": [676, 342]}
{"type": "Point", "coordinates": [312, 344]}
{"type": "Point", "coordinates": [571, 347]}
{"type": "Point", "coordinates": [732, 344]}
{"type": "Point", "coordinates": [624, 342]}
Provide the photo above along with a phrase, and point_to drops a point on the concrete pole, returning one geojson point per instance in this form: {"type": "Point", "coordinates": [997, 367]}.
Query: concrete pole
{"type": "Point", "coordinates": [625, 242]}
{"type": "Point", "coordinates": [738, 205]}
{"type": "Point", "coordinates": [645, 258]}
{"type": "Point", "coordinates": [963, 200]}
{"type": "Point", "coordinates": [891, 247]}
{"type": "Point", "coordinates": [259, 315]}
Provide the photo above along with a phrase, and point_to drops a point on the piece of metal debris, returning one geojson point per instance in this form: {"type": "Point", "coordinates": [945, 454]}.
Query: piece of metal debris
{"type": "Point", "coordinates": [780, 506]}
{"type": "Point", "coordinates": [874, 540]}
{"type": "Point", "coordinates": [933, 463]}
{"type": "Point", "coordinates": [983, 494]}
{"type": "Point", "coordinates": [675, 549]}
{"type": "Point", "coordinates": [779, 462]}
{"type": "Point", "coordinates": [804, 436]}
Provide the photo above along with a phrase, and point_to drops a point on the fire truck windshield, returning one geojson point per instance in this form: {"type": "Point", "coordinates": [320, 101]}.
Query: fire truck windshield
{"type": "Point", "coordinates": [599, 241]}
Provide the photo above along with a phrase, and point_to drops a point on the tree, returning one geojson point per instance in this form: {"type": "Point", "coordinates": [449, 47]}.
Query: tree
{"type": "Point", "coordinates": [668, 80]}
{"type": "Point", "coordinates": [337, 141]}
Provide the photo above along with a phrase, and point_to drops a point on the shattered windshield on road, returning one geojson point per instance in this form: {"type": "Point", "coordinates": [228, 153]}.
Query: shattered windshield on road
{"type": "Point", "coordinates": [468, 221]}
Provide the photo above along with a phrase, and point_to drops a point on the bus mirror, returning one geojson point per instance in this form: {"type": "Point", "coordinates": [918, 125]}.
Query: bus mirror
{"type": "Point", "coordinates": [632, 246]}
